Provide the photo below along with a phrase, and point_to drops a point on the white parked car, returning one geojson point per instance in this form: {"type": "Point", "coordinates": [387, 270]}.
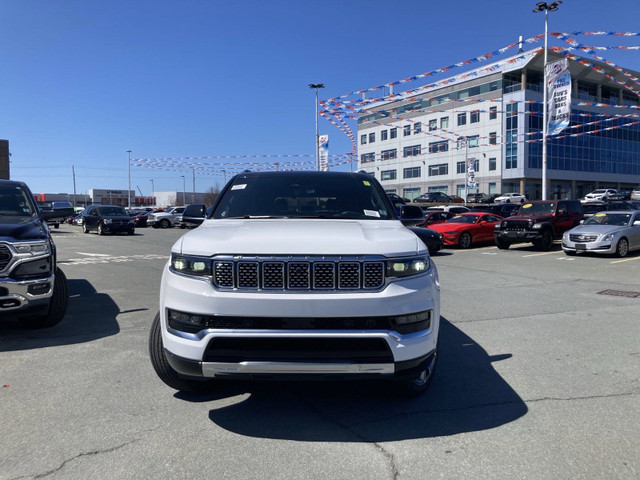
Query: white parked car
{"type": "Point", "coordinates": [298, 274]}
{"type": "Point", "coordinates": [171, 217]}
{"type": "Point", "coordinates": [510, 198]}
{"type": "Point", "coordinates": [616, 233]}
{"type": "Point", "coordinates": [599, 194]}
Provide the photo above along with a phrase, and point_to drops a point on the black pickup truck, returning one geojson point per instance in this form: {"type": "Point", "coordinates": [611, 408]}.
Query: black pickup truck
{"type": "Point", "coordinates": [55, 213]}
{"type": "Point", "coordinates": [32, 287]}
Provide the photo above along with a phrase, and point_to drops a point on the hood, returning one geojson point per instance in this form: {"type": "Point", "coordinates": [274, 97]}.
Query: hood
{"type": "Point", "coordinates": [299, 237]}
{"type": "Point", "coordinates": [22, 228]}
{"type": "Point", "coordinates": [595, 229]}
{"type": "Point", "coordinates": [117, 217]}
{"type": "Point", "coordinates": [543, 217]}
{"type": "Point", "coordinates": [450, 227]}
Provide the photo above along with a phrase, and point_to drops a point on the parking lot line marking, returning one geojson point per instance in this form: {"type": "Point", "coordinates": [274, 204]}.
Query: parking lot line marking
{"type": "Point", "coordinates": [625, 260]}
{"type": "Point", "coordinates": [94, 254]}
{"type": "Point", "coordinates": [539, 254]}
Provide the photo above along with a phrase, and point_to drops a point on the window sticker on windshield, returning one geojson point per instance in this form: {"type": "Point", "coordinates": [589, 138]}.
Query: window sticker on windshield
{"type": "Point", "coordinates": [372, 213]}
{"type": "Point", "coordinates": [527, 205]}
{"type": "Point", "coordinates": [241, 186]}
{"type": "Point", "coordinates": [600, 214]}
{"type": "Point", "coordinates": [367, 183]}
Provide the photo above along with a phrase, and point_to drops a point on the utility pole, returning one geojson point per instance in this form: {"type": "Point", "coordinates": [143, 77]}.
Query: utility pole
{"type": "Point", "coordinates": [317, 86]}
{"type": "Point", "coordinates": [73, 173]}
{"type": "Point", "coordinates": [129, 190]}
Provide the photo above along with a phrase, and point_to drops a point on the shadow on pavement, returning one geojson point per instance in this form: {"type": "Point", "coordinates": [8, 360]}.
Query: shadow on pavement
{"type": "Point", "coordinates": [467, 394]}
{"type": "Point", "coordinates": [90, 315]}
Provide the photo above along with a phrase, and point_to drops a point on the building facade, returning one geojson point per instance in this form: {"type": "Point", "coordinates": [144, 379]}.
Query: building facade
{"type": "Point", "coordinates": [489, 121]}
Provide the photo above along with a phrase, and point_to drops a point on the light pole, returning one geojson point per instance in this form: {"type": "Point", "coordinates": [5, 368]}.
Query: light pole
{"type": "Point", "coordinates": [129, 189]}
{"type": "Point", "coordinates": [184, 189]}
{"type": "Point", "coordinates": [317, 86]}
{"type": "Point", "coordinates": [546, 8]}
{"type": "Point", "coordinates": [152, 188]}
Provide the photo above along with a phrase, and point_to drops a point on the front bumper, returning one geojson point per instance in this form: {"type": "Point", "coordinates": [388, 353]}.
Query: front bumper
{"type": "Point", "coordinates": [18, 295]}
{"type": "Point", "coordinates": [283, 352]}
{"type": "Point", "coordinates": [518, 236]}
{"type": "Point", "coordinates": [607, 247]}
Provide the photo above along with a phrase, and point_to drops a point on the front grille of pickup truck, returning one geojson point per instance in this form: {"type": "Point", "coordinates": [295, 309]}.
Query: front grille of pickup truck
{"type": "Point", "coordinates": [5, 256]}
{"type": "Point", "coordinates": [319, 274]}
{"type": "Point", "coordinates": [247, 349]}
{"type": "Point", "coordinates": [516, 225]}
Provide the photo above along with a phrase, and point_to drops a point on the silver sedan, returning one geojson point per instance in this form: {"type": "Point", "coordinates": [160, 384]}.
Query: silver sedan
{"type": "Point", "coordinates": [614, 233]}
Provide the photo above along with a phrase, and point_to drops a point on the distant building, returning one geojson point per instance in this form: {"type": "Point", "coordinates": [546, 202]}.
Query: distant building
{"type": "Point", "coordinates": [491, 118]}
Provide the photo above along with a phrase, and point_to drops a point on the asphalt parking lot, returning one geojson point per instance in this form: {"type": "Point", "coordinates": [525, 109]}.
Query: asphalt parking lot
{"type": "Point", "coordinates": [538, 379]}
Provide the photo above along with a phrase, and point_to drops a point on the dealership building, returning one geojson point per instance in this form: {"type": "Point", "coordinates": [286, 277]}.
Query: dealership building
{"type": "Point", "coordinates": [490, 119]}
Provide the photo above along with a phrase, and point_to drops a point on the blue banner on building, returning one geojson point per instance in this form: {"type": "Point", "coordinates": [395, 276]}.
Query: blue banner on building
{"type": "Point", "coordinates": [559, 96]}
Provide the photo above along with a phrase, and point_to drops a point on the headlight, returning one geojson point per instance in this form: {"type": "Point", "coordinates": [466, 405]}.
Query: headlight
{"type": "Point", "coordinates": [33, 248]}
{"type": "Point", "coordinates": [537, 226]}
{"type": "Point", "coordinates": [191, 265]}
{"type": "Point", "coordinates": [405, 267]}
{"type": "Point", "coordinates": [131, 221]}
{"type": "Point", "coordinates": [106, 221]}
{"type": "Point", "coordinates": [607, 238]}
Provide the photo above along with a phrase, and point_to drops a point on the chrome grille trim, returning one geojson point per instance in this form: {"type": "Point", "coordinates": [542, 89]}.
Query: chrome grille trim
{"type": "Point", "coordinates": [299, 273]}
{"type": "Point", "coordinates": [5, 256]}
{"type": "Point", "coordinates": [582, 238]}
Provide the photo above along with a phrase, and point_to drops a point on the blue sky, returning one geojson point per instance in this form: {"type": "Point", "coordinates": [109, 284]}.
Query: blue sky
{"type": "Point", "coordinates": [83, 81]}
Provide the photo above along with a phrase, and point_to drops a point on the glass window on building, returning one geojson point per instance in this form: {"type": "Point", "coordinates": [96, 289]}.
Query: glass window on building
{"type": "Point", "coordinates": [411, 193]}
{"type": "Point", "coordinates": [444, 122]}
{"type": "Point", "coordinates": [460, 189]}
{"type": "Point", "coordinates": [440, 169]}
{"type": "Point", "coordinates": [462, 118]}
{"type": "Point", "coordinates": [492, 164]}
{"type": "Point", "coordinates": [388, 175]}
{"type": "Point", "coordinates": [383, 135]}
{"type": "Point", "coordinates": [363, 139]}
{"type": "Point", "coordinates": [460, 167]}
{"type": "Point", "coordinates": [433, 124]}
{"type": "Point", "coordinates": [438, 188]}
{"type": "Point", "coordinates": [493, 113]}
{"type": "Point", "coordinates": [389, 154]}
{"type": "Point", "coordinates": [493, 138]}
{"type": "Point", "coordinates": [511, 147]}
{"type": "Point", "coordinates": [367, 157]}
{"type": "Point", "coordinates": [406, 130]}
{"type": "Point", "coordinates": [393, 133]}
{"type": "Point", "coordinates": [474, 116]}
{"type": "Point", "coordinates": [411, 172]}
{"type": "Point", "coordinates": [372, 137]}
{"type": "Point", "coordinates": [441, 146]}
{"type": "Point", "coordinates": [492, 188]}
{"type": "Point", "coordinates": [474, 141]}
{"type": "Point", "coordinates": [417, 127]}
{"type": "Point", "coordinates": [411, 151]}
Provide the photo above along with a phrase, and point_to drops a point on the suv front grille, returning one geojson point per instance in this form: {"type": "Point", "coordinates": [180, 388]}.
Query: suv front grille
{"type": "Point", "coordinates": [298, 274]}
{"type": "Point", "coordinates": [5, 256]}
{"type": "Point", "coordinates": [516, 225]}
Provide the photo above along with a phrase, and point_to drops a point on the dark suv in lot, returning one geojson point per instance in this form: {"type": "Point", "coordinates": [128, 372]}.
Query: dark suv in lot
{"type": "Point", "coordinates": [107, 219]}
{"type": "Point", "coordinates": [539, 222]}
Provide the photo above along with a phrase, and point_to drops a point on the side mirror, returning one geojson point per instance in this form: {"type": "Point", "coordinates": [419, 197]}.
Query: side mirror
{"type": "Point", "coordinates": [411, 215]}
{"type": "Point", "coordinates": [636, 223]}
{"type": "Point", "coordinates": [194, 214]}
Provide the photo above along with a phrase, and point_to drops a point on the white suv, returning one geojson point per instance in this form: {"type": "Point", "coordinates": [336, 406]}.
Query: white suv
{"type": "Point", "coordinates": [599, 194]}
{"type": "Point", "coordinates": [298, 275]}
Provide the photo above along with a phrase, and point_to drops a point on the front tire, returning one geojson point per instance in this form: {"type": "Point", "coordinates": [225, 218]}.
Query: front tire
{"type": "Point", "coordinates": [502, 245]}
{"type": "Point", "coordinates": [100, 229]}
{"type": "Point", "coordinates": [546, 242]}
{"type": "Point", "coordinates": [57, 305]}
{"type": "Point", "coordinates": [85, 229]}
{"type": "Point", "coordinates": [164, 223]}
{"type": "Point", "coordinates": [465, 240]}
{"type": "Point", "coordinates": [166, 373]}
{"type": "Point", "coordinates": [622, 249]}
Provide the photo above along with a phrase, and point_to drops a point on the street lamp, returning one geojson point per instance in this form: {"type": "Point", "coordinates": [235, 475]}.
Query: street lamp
{"type": "Point", "coordinates": [317, 86]}
{"type": "Point", "coordinates": [129, 190]}
{"type": "Point", "coordinates": [546, 8]}
{"type": "Point", "coordinates": [184, 188]}
{"type": "Point", "coordinates": [152, 187]}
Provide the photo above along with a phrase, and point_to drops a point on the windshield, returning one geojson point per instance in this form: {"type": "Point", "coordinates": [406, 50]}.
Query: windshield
{"type": "Point", "coordinates": [107, 211]}
{"type": "Point", "coordinates": [617, 219]}
{"type": "Point", "coordinates": [537, 209]}
{"type": "Point", "coordinates": [304, 195]}
{"type": "Point", "coordinates": [14, 201]}
{"type": "Point", "coordinates": [464, 219]}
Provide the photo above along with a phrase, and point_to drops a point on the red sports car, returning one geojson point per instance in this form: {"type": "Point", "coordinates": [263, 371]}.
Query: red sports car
{"type": "Point", "coordinates": [467, 228]}
{"type": "Point", "coordinates": [433, 218]}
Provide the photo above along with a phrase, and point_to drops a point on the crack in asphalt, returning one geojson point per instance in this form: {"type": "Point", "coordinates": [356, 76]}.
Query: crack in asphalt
{"type": "Point", "coordinates": [386, 454]}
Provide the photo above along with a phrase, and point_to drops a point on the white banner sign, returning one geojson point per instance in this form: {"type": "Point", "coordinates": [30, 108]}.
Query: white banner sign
{"type": "Point", "coordinates": [559, 96]}
{"type": "Point", "coordinates": [323, 148]}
